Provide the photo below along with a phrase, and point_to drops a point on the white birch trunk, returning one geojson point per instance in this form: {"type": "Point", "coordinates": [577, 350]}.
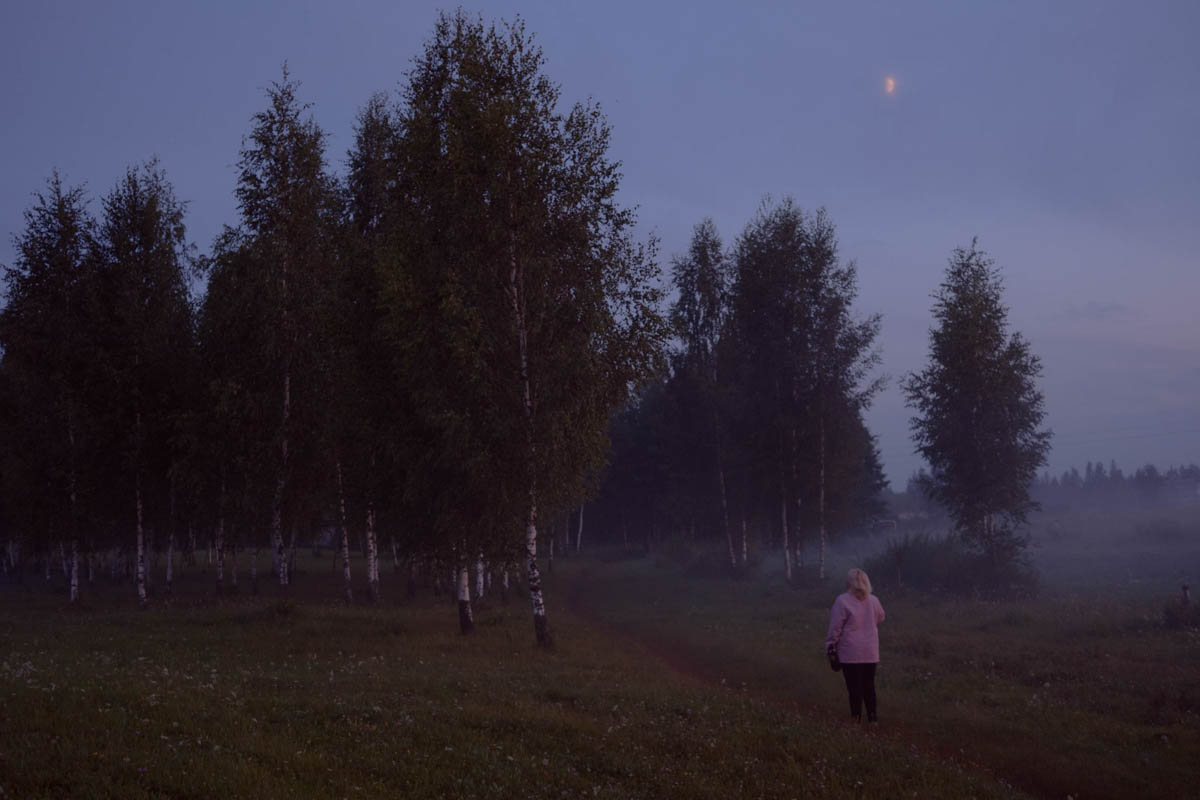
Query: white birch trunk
{"type": "Point", "coordinates": [372, 555]}
{"type": "Point", "coordinates": [170, 560]}
{"type": "Point", "coordinates": [254, 571]}
{"type": "Point", "coordinates": [347, 588]}
{"type": "Point", "coordinates": [74, 570]}
{"type": "Point", "coordinates": [783, 523]}
{"type": "Point", "coordinates": [466, 621]}
{"type": "Point", "coordinates": [579, 531]}
{"type": "Point", "coordinates": [479, 578]}
{"type": "Point", "coordinates": [233, 575]}
{"type": "Point", "coordinates": [745, 542]}
{"type": "Point", "coordinates": [395, 555]}
{"type": "Point", "coordinates": [281, 563]}
{"type": "Point", "coordinates": [821, 504]}
{"type": "Point", "coordinates": [74, 578]}
{"type": "Point", "coordinates": [291, 554]}
{"type": "Point", "coordinates": [141, 548]}
{"type": "Point", "coordinates": [725, 515]}
{"type": "Point", "coordinates": [219, 542]}
{"type": "Point", "coordinates": [541, 626]}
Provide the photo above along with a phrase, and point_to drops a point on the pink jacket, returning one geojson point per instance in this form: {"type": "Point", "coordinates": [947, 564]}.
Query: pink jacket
{"type": "Point", "coordinates": [853, 629]}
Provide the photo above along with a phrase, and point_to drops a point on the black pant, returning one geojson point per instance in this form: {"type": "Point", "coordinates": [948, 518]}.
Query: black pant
{"type": "Point", "coordinates": [860, 682]}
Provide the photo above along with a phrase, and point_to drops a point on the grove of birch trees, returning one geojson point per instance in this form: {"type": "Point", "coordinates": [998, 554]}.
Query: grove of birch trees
{"type": "Point", "coordinates": [448, 346]}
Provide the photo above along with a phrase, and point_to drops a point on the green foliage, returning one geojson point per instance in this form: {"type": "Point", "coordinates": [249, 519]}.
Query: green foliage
{"type": "Point", "coordinates": [978, 410]}
{"type": "Point", "coordinates": [51, 431]}
{"type": "Point", "coordinates": [144, 343]}
{"type": "Point", "coordinates": [936, 564]}
{"type": "Point", "coordinates": [522, 310]}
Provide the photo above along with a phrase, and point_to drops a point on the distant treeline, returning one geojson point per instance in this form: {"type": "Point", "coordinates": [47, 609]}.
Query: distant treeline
{"type": "Point", "coordinates": [1101, 487]}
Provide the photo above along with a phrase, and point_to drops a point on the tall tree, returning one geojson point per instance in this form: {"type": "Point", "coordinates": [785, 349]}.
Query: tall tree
{"type": "Point", "coordinates": [369, 439]}
{"type": "Point", "coordinates": [288, 204]}
{"type": "Point", "coordinates": [521, 259]}
{"type": "Point", "coordinates": [840, 358]}
{"type": "Point", "coordinates": [978, 410]}
{"type": "Point", "coordinates": [46, 338]}
{"type": "Point", "coordinates": [698, 317]}
{"type": "Point", "coordinates": [143, 344]}
{"type": "Point", "coordinates": [802, 364]}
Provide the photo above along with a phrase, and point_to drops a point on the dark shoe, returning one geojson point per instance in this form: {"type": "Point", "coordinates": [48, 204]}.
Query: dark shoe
{"type": "Point", "coordinates": [872, 719]}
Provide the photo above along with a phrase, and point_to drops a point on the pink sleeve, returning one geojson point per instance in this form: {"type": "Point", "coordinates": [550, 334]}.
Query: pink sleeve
{"type": "Point", "coordinates": [837, 620]}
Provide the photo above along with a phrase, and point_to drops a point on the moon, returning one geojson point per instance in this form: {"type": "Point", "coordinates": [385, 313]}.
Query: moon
{"type": "Point", "coordinates": [889, 84]}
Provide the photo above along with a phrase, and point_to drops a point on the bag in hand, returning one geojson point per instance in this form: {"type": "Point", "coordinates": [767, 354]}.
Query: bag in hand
{"type": "Point", "coordinates": [834, 662]}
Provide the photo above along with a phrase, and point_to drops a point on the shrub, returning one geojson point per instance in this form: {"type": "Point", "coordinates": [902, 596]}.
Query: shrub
{"type": "Point", "coordinates": [1177, 616]}
{"type": "Point", "coordinates": [944, 564]}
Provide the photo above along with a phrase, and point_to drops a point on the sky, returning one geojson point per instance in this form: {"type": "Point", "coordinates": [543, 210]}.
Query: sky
{"type": "Point", "coordinates": [1065, 135]}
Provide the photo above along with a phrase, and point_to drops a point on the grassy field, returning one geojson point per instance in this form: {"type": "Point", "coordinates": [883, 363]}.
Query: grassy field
{"type": "Point", "coordinates": [660, 686]}
{"type": "Point", "coordinates": [300, 697]}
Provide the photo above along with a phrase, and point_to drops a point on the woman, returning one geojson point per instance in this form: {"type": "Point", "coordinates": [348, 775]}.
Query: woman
{"type": "Point", "coordinates": [854, 636]}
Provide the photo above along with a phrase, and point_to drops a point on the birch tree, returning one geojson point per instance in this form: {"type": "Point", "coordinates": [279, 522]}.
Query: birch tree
{"type": "Point", "coordinates": [143, 344]}
{"type": "Point", "coordinates": [288, 208]}
{"type": "Point", "coordinates": [978, 412]}
{"type": "Point", "coordinates": [46, 346]}
{"type": "Point", "coordinates": [521, 257]}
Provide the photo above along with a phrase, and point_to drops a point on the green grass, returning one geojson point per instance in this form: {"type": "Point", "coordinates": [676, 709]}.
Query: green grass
{"type": "Point", "coordinates": [1082, 694]}
{"type": "Point", "coordinates": [299, 696]}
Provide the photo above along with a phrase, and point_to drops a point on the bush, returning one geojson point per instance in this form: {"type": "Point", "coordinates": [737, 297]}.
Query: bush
{"type": "Point", "coordinates": [944, 564]}
{"type": "Point", "coordinates": [1177, 616]}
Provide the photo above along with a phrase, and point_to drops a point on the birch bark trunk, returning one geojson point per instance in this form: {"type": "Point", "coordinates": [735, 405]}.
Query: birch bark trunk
{"type": "Point", "coordinates": [579, 531]}
{"type": "Point", "coordinates": [254, 571]}
{"type": "Point", "coordinates": [281, 484]}
{"type": "Point", "coordinates": [170, 560]}
{"type": "Point", "coordinates": [74, 579]}
{"type": "Point", "coordinates": [74, 570]}
{"type": "Point", "coordinates": [479, 579]}
{"type": "Point", "coordinates": [347, 587]}
{"type": "Point", "coordinates": [372, 555]}
{"type": "Point", "coordinates": [219, 537]}
{"type": "Point", "coordinates": [516, 298]}
{"type": "Point", "coordinates": [233, 551]}
{"type": "Point", "coordinates": [783, 517]}
{"type": "Point", "coordinates": [141, 545]}
{"type": "Point", "coordinates": [466, 621]}
{"type": "Point", "coordinates": [821, 502]}
{"type": "Point", "coordinates": [745, 541]}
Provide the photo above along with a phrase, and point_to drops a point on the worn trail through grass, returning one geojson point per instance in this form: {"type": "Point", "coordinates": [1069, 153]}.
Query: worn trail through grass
{"type": "Point", "coordinates": [1060, 696]}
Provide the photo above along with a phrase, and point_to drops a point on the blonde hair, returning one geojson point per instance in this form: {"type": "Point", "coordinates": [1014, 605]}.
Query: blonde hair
{"type": "Point", "coordinates": [858, 583]}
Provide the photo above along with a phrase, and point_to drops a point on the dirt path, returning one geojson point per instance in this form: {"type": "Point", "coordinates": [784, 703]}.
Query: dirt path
{"type": "Point", "coordinates": [677, 658]}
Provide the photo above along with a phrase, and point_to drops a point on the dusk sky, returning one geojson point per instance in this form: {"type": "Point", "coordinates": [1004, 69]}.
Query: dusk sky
{"type": "Point", "coordinates": [1065, 135]}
